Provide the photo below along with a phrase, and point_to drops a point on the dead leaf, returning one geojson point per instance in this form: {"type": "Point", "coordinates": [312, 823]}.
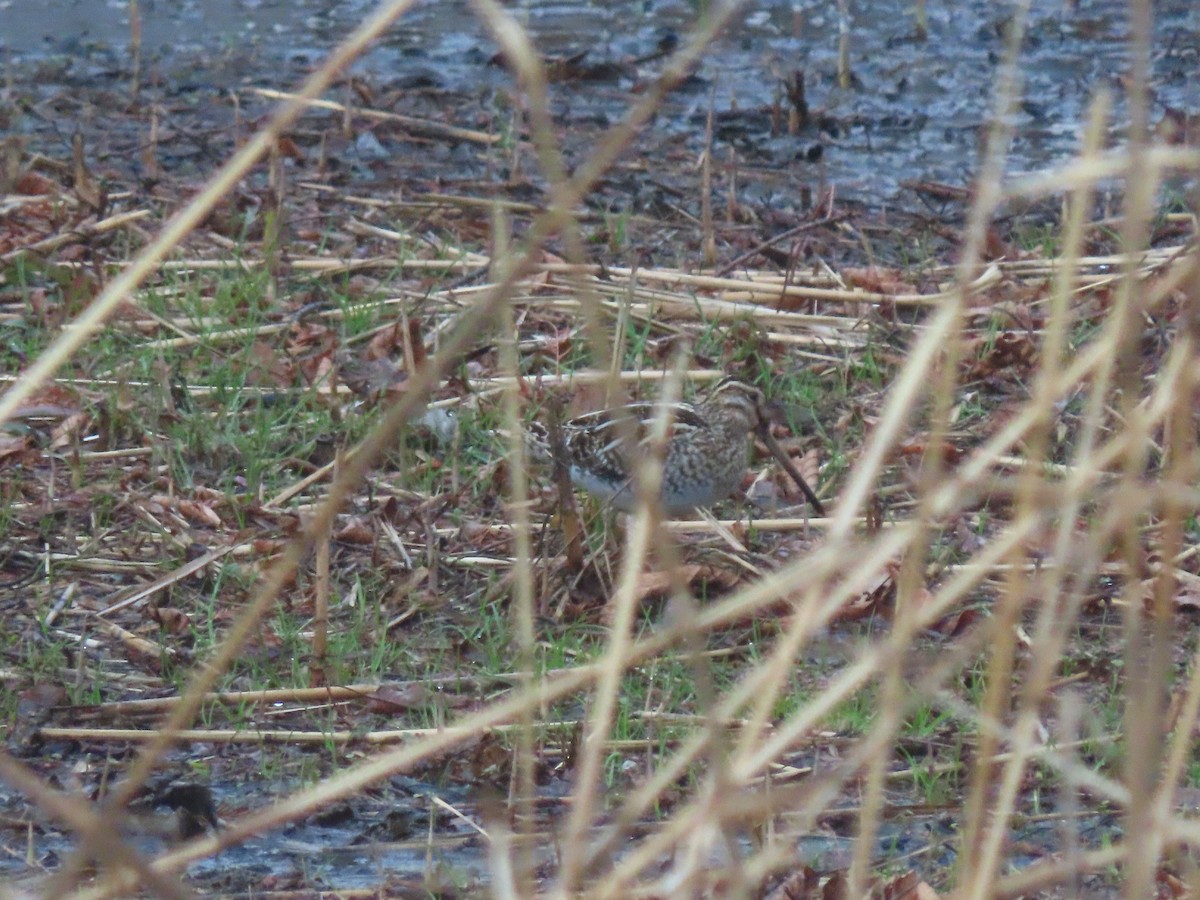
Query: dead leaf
{"type": "Point", "coordinates": [764, 491]}
{"type": "Point", "coordinates": [268, 368]}
{"type": "Point", "coordinates": [809, 466]}
{"type": "Point", "coordinates": [34, 706]}
{"type": "Point", "coordinates": [877, 280]}
{"type": "Point", "coordinates": [172, 620]}
{"type": "Point", "coordinates": [36, 701]}
{"type": "Point", "coordinates": [356, 530]}
{"type": "Point", "coordinates": [800, 885]}
{"type": "Point", "coordinates": [836, 888]}
{"type": "Point", "coordinates": [393, 699]}
{"type": "Point", "coordinates": [658, 583]}
{"type": "Point", "coordinates": [33, 184]}
{"type": "Point", "coordinates": [908, 886]}
{"type": "Point", "coordinates": [54, 394]}
{"type": "Point", "coordinates": [957, 624]}
{"type": "Point", "coordinates": [66, 433]}
{"type": "Point", "coordinates": [198, 513]}
{"type": "Point", "coordinates": [14, 447]}
{"type": "Point", "coordinates": [317, 370]}
{"type": "Point", "coordinates": [877, 598]}
{"type": "Point", "coordinates": [1187, 596]}
{"type": "Point", "coordinates": [491, 759]}
{"type": "Point", "coordinates": [1006, 350]}
{"type": "Point", "coordinates": [414, 348]}
{"type": "Point", "coordinates": [554, 346]}
{"type": "Point", "coordinates": [484, 538]}
{"type": "Point", "coordinates": [384, 344]}
{"type": "Point", "coordinates": [918, 447]}
{"type": "Point", "coordinates": [311, 338]}
{"type": "Point", "coordinates": [1177, 127]}
{"type": "Point", "coordinates": [995, 247]}
{"type": "Point", "coordinates": [208, 495]}
{"type": "Point", "coordinates": [1171, 885]}
{"type": "Point", "coordinates": [288, 148]}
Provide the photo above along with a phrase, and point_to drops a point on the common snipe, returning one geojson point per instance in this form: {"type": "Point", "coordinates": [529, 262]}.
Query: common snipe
{"type": "Point", "coordinates": [706, 455]}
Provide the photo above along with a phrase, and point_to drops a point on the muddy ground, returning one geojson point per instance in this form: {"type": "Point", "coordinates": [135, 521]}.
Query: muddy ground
{"type": "Point", "coordinates": [875, 174]}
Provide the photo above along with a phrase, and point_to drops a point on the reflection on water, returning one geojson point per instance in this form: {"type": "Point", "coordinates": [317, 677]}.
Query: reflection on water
{"type": "Point", "coordinates": [913, 112]}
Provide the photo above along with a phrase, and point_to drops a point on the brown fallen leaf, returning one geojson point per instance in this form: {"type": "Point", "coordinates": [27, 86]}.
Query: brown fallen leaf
{"type": "Point", "coordinates": [836, 888]}
{"type": "Point", "coordinates": [198, 513]}
{"type": "Point", "coordinates": [658, 582]}
{"type": "Point", "coordinates": [919, 446]}
{"type": "Point", "coordinates": [267, 368]}
{"type": "Point", "coordinates": [957, 624]}
{"type": "Point", "coordinates": [398, 698]}
{"type": "Point", "coordinates": [33, 184]}
{"type": "Point", "coordinates": [800, 885]}
{"type": "Point", "coordinates": [356, 530]}
{"type": "Point", "coordinates": [878, 598]}
{"type": "Point", "coordinates": [172, 620]}
{"type": "Point", "coordinates": [1187, 596]}
{"type": "Point", "coordinates": [1171, 885]}
{"type": "Point", "coordinates": [1006, 350]}
{"type": "Point", "coordinates": [288, 148]}
{"type": "Point", "coordinates": [14, 447]}
{"type": "Point", "coordinates": [878, 280]}
{"type": "Point", "coordinates": [34, 706]}
{"type": "Point", "coordinates": [415, 345]}
{"type": "Point", "coordinates": [385, 344]}
{"type": "Point", "coordinates": [67, 432]}
{"type": "Point", "coordinates": [908, 886]}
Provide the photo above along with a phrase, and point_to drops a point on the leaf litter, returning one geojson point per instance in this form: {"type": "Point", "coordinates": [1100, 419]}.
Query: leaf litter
{"type": "Point", "coordinates": [113, 481]}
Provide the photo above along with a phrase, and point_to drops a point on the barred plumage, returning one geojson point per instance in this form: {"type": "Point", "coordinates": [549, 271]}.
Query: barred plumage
{"type": "Point", "coordinates": [706, 455]}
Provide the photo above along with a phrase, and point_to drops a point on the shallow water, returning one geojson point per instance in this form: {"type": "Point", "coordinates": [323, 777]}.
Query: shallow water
{"type": "Point", "coordinates": [913, 114]}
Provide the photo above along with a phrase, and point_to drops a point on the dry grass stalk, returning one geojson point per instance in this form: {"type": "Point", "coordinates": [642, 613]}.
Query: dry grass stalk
{"type": "Point", "coordinates": [417, 126]}
{"type": "Point", "coordinates": [736, 764]}
{"type": "Point", "coordinates": [84, 820]}
{"type": "Point", "coordinates": [80, 233]}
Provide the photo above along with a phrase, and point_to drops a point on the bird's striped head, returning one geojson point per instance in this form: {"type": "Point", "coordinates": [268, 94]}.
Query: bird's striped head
{"type": "Point", "coordinates": [733, 397]}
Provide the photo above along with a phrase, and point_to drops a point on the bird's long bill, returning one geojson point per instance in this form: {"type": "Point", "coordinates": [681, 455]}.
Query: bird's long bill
{"type": "Point", "coordinates": [764, 431]}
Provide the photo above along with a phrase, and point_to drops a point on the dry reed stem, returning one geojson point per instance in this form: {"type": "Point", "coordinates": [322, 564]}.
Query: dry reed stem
{"type": "Point", "coordinates": [613, 662]}
{"type": "Point", "coordinates": [1014, 597]}
{"type": "Point", "coordinates": [355, 779]}
{"type": "Point", "coordinates": [319, 265]}
{"type": "Point", "coordinates": [174, 577]}
{"type": "Point", "coordinates": [523, 785]}
{"type": "Point", "coordinates": [754, 683]}
{"type": "Point", "coordinates": [182, 223]}
{"type": "Point", "coordinates": [835, 573]}
{"type": "Point", "coordinates": [1084, 175]}
{"type": "Point", "coordinates": [805, 800]}
{"type": "Point", "coordinates": [81, 232]}
{"type": "Point", "coordinates": [1147, 654]}
{"type": "Point", "coordinates": [821, 566]}
{"type": "Point", "coordinates": [357, 464]}
{"type": "Point", "coordinates": [152, 705]}
{"type": "Point", "coordinates": [86, 821]}
{"type": "Point", "coordinates": [1050, 874]}
{"type": "Point", "coordinates": [417, 126]}
{"type": "Point", "coordinates": [279, 735]}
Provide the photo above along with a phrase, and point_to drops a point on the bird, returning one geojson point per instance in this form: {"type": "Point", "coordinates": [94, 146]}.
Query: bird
{"type": "Point", "coordinates": [706, 451]}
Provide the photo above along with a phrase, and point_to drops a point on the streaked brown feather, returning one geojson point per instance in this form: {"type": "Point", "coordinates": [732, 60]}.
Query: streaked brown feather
{"type": "Point", "coordinates": [706, 446]}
